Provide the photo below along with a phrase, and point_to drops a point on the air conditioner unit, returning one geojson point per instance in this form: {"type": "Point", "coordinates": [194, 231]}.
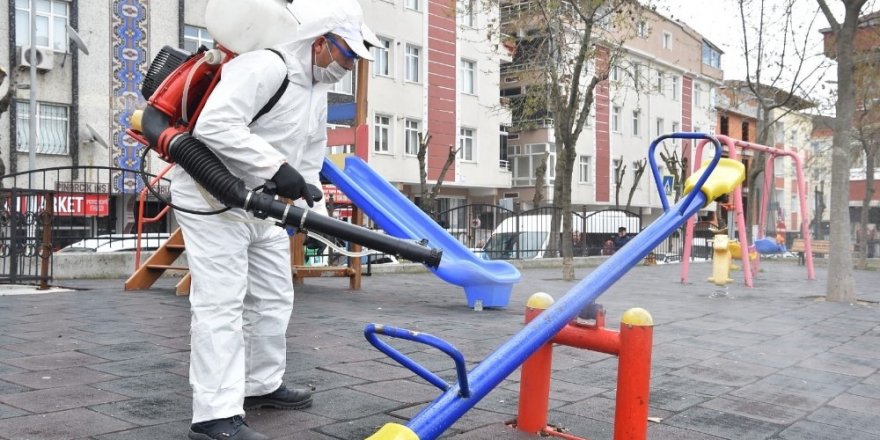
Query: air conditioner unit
{"type": "Point", "coordinates": [45, 59]}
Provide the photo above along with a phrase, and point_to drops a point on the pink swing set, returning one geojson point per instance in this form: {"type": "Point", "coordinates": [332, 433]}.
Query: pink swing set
{"type": "Point", "coordinates": [750, 267]}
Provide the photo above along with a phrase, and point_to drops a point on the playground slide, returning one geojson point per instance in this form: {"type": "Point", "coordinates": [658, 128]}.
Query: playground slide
{"type": "Point", "coordinates": [485, 283]}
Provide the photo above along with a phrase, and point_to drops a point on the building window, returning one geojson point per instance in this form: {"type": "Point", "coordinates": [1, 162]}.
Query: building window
{"type": "Point", "coordinates": [413, 63]}
{"type": "Point", "coordinates": [615, 119]}
{"type": "Point", "coordinates": [675, 91]}
{"type": "Point", "coordinates": [724, 126]}
{"type": "Point", "coordinates": [667, 40]}
{"type": "Point", "coordinates": [642, 29]}
{"type": "Point", "coordinates": [660, 82]}
{"type": "Point", "coordinates": [467, 13]}
{"type": "Point", "coordinates": [585, 165]}
{"type": "Point", "coordinates": [466, 77]}
{"type": "Point", "coordinates": [345, 85]}
{"type": "Point", "coordinates": [53, 128]}
{"type": "Point", "coordinates": [412, 130]}
{"type": "Point", "coordinates": [636, 129]}
{"type": "Point", "coordinates": [51, 17]}
{"type": "Point", "coordinates": [659, 126]}
{"type": "Point", "coordinates": [382, 134]}
{"type": "Point", "coordinates": [526, 158]}
{"type": "Point", "coordinates": [676, 127]}
{"type": "Point", "coordinates": [711, 56]}
{"type": "Point", "coordinates": [382, 58]}
{"type": "Point", "coordinates": [745, 131]}
{"type": "Point", "coordinates": [466, 144]}
{"type": "Point", "coordinates": [195, 37]}
{"type": "Point", "coordinates": [698, 94]}
{"type": "Point", "coordinates": [415, 5]}
{"type": "Point", "coordinates": [615, 73]}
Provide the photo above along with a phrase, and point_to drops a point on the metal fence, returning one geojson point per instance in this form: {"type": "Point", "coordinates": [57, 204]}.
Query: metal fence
{"type": "Point", "coordinates": [44, 211]}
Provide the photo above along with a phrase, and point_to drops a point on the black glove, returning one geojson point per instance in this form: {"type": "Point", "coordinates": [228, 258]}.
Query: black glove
{"type": "Point", "coordinates": [291, 184]}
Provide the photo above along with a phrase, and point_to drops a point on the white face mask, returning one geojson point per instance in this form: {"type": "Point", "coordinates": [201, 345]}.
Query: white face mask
{"type": "Point", "coordinates": [328, 75]}
{"type": "Point", "coordinates": [331, 74]}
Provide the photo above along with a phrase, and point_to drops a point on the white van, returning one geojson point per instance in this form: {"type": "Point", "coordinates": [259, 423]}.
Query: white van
{"type": "Point", "coordinates": [527, 237]}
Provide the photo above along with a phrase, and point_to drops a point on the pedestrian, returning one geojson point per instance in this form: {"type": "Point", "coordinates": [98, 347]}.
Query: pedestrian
{"type": "Point", "coordinates": [242, 290]}
{"type": "Point", "coordinates": [620, 239]}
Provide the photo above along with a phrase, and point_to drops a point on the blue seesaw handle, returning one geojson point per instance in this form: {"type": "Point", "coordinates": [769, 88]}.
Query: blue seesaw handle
{"type": "Point", "coordinates": [664, 199]}
{"type": "Point", "coordinates": [371, 331]}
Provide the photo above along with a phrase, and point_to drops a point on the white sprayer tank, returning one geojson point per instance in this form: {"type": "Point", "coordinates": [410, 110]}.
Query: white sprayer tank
{"type": "Point", "coordinates": [245, 25]}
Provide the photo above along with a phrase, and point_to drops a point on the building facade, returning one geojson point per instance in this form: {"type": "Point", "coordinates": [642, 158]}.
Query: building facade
{"type": "Point", "coordinates": [436, 74]}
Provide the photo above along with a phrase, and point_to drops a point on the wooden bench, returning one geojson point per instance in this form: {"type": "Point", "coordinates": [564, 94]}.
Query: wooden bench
{"type": "Point", "coordinates": [819, 247]}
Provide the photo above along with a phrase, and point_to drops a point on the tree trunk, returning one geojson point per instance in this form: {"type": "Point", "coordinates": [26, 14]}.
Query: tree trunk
{"type": "Point", "coordinates": [841, 286]}
{"type": "Point", "coordinates": [619, 172]}
{"type": "Point", "coordinates": [637, 175]}
{"type": "Point", "coordinates": [568, 153]}
{"type": "Point", "coordinates": [870, 157]}
{"type": "Point", "coordinates": [541, 181]}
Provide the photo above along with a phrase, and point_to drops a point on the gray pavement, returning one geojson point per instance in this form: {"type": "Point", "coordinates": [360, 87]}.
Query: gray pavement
{"type": "Point", "coordinates": [773, 362]}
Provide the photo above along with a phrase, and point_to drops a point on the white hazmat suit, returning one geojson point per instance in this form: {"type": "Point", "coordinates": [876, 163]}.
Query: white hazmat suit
{"type": "Point", "coordinates": [242, 292]}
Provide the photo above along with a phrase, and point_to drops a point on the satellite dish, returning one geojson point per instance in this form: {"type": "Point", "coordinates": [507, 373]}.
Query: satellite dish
{"type": "Point", "coordinates": [77, 41]}
{"type": "Point", "coordinates": [95, 136]}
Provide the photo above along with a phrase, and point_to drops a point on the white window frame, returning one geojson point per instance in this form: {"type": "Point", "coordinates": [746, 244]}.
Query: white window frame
{"type": "Point", "coordinates": [675, 90]}
{"type": "Point", "coordinates": [614, 75]}
{"type": "Point", "coordinates": [636, 126]}
{"type": "Point", "coordinates": [55, 21]}
{"type": "Point", "coordinates": [411, 130]}
{"type": "Point", "coordinates": [467, 15]}
{"type": "Point", "coordinates": [660, 124]}
{"type": "Point", "coordinates": [382, 134]}
{"type": "Point", "coordinates": [467, 75]}
{"type": "Point", "coordinates": [201, 38]}
{"type": "Point", "coordinates": [50, 116]}
{"type": "Point", "coordinates": [615, 119]}
{"type": "Point", "coordinates": [413, 5]}
{"type": "Point", "coordinates": [585, 167]}
{"type": "Point", "coordinates": [615, 179]}
{"type": "Point", "coordinates": [382, 55]}
{"type": "Point", "coordinates": [660, 85]}
{"type": "Point", "coordinates": [698, 92]}
{"type": "Point", "coordinates": [413, 64]}
{"type": "Point", "coordinates": [467, 144]}
{"type": "Point", "coordinates": [344, 86]}
{"type": "Point", "coordinates": [667, 40]}
{"type": "Point", "coordinates": [642, 29]}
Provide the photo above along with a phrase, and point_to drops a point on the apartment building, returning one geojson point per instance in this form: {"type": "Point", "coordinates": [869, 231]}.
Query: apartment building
{"type": "Point", "coordinates": [436, 73]}
{"type": "Point", "coordinates": [663, 79]}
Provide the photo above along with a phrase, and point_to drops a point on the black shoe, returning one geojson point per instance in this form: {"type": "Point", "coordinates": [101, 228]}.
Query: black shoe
{"type": "Point", "coordinates": [232, 428]}
{"type": "Point", "coordinates": [282, 398]}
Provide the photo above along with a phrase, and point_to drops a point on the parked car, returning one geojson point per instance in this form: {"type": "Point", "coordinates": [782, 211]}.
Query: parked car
{"type": "Point", "coordinates": [118, 243]}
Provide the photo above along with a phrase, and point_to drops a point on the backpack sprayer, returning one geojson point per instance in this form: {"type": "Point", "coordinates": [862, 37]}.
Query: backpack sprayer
{"type": "Point", "coordinates": [176, 87]}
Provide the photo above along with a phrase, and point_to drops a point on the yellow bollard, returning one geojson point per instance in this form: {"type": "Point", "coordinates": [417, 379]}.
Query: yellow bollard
{"type": "Point", "coordinates": [721, 260]}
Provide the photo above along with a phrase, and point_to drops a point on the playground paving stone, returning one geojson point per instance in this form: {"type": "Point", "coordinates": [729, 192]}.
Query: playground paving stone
{"type": "Point", "coordinates": [773, 362]}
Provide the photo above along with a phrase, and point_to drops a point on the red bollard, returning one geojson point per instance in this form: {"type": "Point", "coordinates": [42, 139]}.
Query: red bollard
{"type": "Point", "coordinates": [534, 385]}
{"type": "Point", "coordinates": [633, 375]}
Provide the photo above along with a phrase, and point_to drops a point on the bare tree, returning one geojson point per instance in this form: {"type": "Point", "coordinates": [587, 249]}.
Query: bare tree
{"type": "Point", "coordinates": [637, 176]}
{"type": "Point", "coordinates": [777, 74]}
{"type": "Point", "coordinates": [867, 133]}
{"type": "Point", "coordinates": [677, 167]}
{"type": "Point", "coordinates": [841, 286]}
{"type": "Point", "coordinates": [619, 174]}
{"type": "Point", "coordinates": [428, 197]}
{"type": "Point", "coordinates": [566, 51]}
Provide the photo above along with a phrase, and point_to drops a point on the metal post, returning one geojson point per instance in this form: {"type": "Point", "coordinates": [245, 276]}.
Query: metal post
{"type": "Point", "coordinates": [534, 386]}
{"type": "Point", "coordinates": [32, 113]}
{"type": "Point", "coordinates": [633, 375]}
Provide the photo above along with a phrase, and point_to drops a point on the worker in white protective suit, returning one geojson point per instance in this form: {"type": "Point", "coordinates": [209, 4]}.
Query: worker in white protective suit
{"type": "Point", "coordinates": [242, 291]}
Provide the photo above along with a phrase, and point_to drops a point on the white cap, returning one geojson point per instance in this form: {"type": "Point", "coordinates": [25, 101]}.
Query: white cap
{"type": "Point", "coordinates": [344, 18]}
{"type": "Point", "coordinates": [358, 38]}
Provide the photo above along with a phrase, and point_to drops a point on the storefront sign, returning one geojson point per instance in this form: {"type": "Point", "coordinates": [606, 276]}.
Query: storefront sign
{"type": "Point", "coordinates": [66, 204]}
